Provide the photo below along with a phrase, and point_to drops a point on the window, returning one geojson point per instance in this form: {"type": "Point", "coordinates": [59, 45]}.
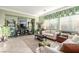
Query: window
{"type": "Point", "coordinates": [70, 23]}
{"type": "Point", "coordinates": [53, 24]}
{"type": "Point", "coordinates": [66, 24]}
{"type": "Point", "coordinates": [46, 24]}
{"type": "Point", "coordinates": [75, 22]}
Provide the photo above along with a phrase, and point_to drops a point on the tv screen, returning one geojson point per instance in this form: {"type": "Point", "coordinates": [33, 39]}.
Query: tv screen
{"type": "Point", "coordinates": [22, 26]}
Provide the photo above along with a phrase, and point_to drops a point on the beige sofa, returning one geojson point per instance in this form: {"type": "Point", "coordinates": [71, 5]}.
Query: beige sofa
{"type": "Point", "coordinates": [50, 34]}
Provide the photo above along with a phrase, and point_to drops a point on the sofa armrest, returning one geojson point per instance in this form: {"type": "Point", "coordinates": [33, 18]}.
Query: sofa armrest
{"type": "Point", "coordinates": [70, 48]}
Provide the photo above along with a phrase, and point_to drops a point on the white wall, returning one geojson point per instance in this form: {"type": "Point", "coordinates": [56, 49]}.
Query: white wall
{"type": "Point", "coordinates": [2, 18]}
{"type": "Point", "coordinates": [3, 13]}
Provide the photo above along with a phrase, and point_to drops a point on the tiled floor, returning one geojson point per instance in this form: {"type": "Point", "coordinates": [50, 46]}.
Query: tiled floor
{"type": "Point", "coordinates": [15, 45]}
{"type": "Point", "coordinates": [31, 42]}
{"type": "Point", "coordinates": [21, 44]}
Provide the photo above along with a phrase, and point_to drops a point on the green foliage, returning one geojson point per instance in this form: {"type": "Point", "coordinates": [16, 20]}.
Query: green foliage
{"type": "Point", "coordinates": [5, 31]}
{"type": "Point", "coordinates": [63, 13]}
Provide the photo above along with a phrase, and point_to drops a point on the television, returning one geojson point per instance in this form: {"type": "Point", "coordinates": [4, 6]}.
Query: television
{"type": "Point", "coordinates": [22, 25]}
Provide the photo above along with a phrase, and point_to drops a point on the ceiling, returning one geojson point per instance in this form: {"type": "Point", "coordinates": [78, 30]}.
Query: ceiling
{"type": "Point", "coordinates": [30, 10]}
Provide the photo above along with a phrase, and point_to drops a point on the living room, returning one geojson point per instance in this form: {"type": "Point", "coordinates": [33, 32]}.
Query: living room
{"type": "Point", "coordinates": [49, 29]}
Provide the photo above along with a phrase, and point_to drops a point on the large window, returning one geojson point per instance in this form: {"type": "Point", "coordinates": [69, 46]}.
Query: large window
{"type": "Point", "coordinates": [53, 24]}
{"type": "Point", "coordinates": [75, 23]}
{"type": "Point", "coordinates": [70, 23]}
{"type": "Point", "coordinates": [66, 24]}
{"type": "Point", "coordinates": [45, 25]}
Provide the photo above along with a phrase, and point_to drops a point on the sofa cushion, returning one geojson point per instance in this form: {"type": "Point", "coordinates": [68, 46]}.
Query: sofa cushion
{"type": "Point", "coordinates": [75, 39]}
